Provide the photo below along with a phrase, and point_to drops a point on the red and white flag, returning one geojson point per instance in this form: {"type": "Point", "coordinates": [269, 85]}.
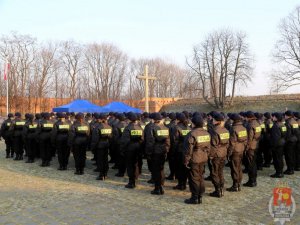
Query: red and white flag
{"type": "Point", "coordinates": [6, 70]}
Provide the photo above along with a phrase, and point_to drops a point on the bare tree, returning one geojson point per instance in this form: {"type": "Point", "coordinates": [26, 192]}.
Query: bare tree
{"type": "Point", "coordinates": [286, 54]}
{"type": "Point", "coordinates": [221, 62]}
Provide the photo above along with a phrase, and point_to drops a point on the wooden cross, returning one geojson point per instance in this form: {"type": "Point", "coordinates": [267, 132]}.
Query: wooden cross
{"type": "Point", "coordinates": [146, 78]}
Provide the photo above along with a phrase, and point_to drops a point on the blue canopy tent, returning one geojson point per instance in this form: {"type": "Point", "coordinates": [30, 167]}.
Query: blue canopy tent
{"type": "Point", "coordinates": [83, 106]}
{"type": "Point", "coordinates": [120, 107]}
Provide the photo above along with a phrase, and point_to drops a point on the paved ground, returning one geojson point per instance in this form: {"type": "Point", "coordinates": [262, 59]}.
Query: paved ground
{"type": "Point", "coordinates": [31, 195]}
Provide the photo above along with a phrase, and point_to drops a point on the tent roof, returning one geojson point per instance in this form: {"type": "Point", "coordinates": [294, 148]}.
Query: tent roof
{"type": "Point", "coordinates": [79, 106]}
{"type": "Point", "coordinates": [120, 107]}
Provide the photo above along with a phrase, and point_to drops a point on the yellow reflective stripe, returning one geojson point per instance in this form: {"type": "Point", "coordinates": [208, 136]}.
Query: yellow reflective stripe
{"type": "Point", "coordinates": [136, 132]}
{"type": "Point", "coordinates": [20, 123]}
{"type": "Point", "coordinates": [263, 126]}
{"type": "Point", "coordinates": [143, 127]}
{"type": "Point", "coordinates": [224, 136]}
{"type": "Point", "coordinates": [185, 132]}
{"type": "Point", "coordinates": [242, 134]}
{"type": "Point", "coordinates": [83, 128]}
{"type": "Point", "coordinates": [205, 127]}
{"type": "Point", "coordinates": [122, 130]}
{"type": "Point", "coordinates": [8, 124]}
{"type": "Point", "coordinates": [167, 122]}
{"type": "Point", "coordinates": [189, 124]}
{"type": "Point", "coordinates": [47, 125]}
{"type": "Point", "coordinates": [295, 126]}
{"type": "Point", "coordinates": [283, 129]}
{"type": "Point", "coordinates": [162, 132]}
{"type": "Point", "coordinates": [147, 123]}
{"type": "Point", "coordinates": [61, 127]}
{"type": "Point", "coordinates": [258, 129]}
{"type": "Point", "coordinates": [105, 131]}
{"type": "Point", "coordinates": [33, 126]}
{"type": "Point", "coordinates": [271, 125]}
{"type": "Point", "coordinates": [202, 139]}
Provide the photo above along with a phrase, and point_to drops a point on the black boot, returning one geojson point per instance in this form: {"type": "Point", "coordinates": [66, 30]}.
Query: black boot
{"type": "Point", "coordinates": [180, 187]}
{"type": "Point", "coordinates": [193, 200]}
{"type": "Point", "coordinates": [151, 181]}
{"type": "Point", "coordinates": [43, 163]}
{"type": "Point", "coordinates": [77, 172]}
{"type": "Point", "coordinates": [277, 175]}
{"type": "Point", "coordinates": [250, 184]}
{"type": "Point", "coordinates": [156, 191]}
{"type": "Point", "coordinates": [170, 177]}
{"type": "Point", "coordinates": [233, 188]}
{"type": "Point", "coordinates": [60, 167]}
{"type": "Point", "coordinates": [81, 171]}
{"type": "Point", "coordinates": [7, 155]}
{"type": "Point", "coordinates": [289, 172]}
{"type": "Point", "coordinates": [216, 193]}
{"type": "Point", "coordinates": [130, 185]}
{"type": "Point", "coordinates": [17, 157]}
{"type": "Point", "coordinates": [119, 174]}
{"type": "Point", "coordinates": [208, 178]}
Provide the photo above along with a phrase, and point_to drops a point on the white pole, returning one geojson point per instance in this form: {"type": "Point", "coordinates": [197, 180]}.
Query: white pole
{"type": "Point", "coordinates": [146, 90]}
{"type": "Point", "coordinates": [7, 71]}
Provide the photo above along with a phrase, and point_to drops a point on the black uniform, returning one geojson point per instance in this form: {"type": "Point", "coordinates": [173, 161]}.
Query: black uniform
{"type": "Point", "coordinates": [78, 142]}
{"type": "Point", "coordinates": [30, 139]}
{"type": "Point", "coordinates": [148, 129]}
{"type": "Point", "coordinates": [59, 139]}
{"type": "Point", "coordinates": [43, 133]}
{"type": "Point", "coordinates": [16, 130]}
{"type": "Point", "coordinates": [101, 136]}
{"type": "Point", "coordinates": [7, 137]}
{"type": "Point", "coordinates": [157, 147]}
{"type": "Point", "coordinates": [171, 153]}
{"type": "Point", "coordinates": [131, 147]}
{"type": "Point", "coordinates": [291, 144]}
{"type": "Point", "coordinates": [278, 136]}
{"type": "Point", "coordinates": [178, 134]}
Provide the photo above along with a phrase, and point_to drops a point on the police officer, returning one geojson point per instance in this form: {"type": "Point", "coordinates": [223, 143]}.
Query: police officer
{"type": "Point", "coordinates": [7, 135]}
{"type": "Point", "coordinates": [297, 165]}
{"type": "Point", "coordinates": [219, 146]}
{"type": "Point", "coordinates": [237, 145]}
{"type": "Point", "coordinates": [278, 136]}
{"type": "Point", "coordinates": [148, 128]}
{"type": "Point", "coordinates": [131, 147]}
{"type": "Point", "coordinates": [117, 134]}
{"type": "Point", "coordinates": [59, 139]}
{"type": "Point", "coordinates": [291, 142]}
{"type": "Point", "coordinates": [101, 136]}
{"type": "Point", "coordinates": [44, 137]}
{"type": "Point", "coordinates": [157, 147]}
{"type": "Point", "coordinates": [171, 153]}
{"type": "Point", "coordinates": [261, 142]}
{"type": "Point", "coordinates": [178, 134]}
{"type": "Point", "coordinates": [29, 137]}
{"type": "Point", "coordinates": [196, 151]}
{"type": "Point", "coordinates": [78, 142]}
{"type": "Point", "coordinates": [267, 150]}
{"type": "Point", "coordinates": [254, 134]}
{"type": "Point", "coordinates": [16, 129]}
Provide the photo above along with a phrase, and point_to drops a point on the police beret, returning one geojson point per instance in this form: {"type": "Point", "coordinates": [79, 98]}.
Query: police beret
{"type": "Point", "coordinates": [79, 116]}
{"type": "Point", "coordinates": [196, 114]}
{"type": "Point", "coordinates": [103, 116]}
{"type": "Point", "coordinates": [26, 115]}
{"type": "Point", "coordinates": [218, 116]}
{"type": "Point", "coordinates": [132, 117]}
{"type": "Point", "coordinates": [296, 114]}
{"type": "Point", "coordinates": [267, 115]}
{"type": "Point", "coordinates": [235, 117]}
{"type": "Point", "coordinates": [258, 115]}
{"type": "Point", "coordinates": [88, 114]}
{"type": "Point", "coordinates": [30, 116]}
{"type": "Point", "coordinates": [197, 121]}
{"type": "Point", "coordinates": [279, 116]}
{"type": "Point", "coordinates": [17, 114]}
{"type": "Point", "coordinates": [250, 114]}
{"type": "Point", "coordinates": [164, 114]}
{"type": "Point", "coordinates": [10, 115]}
{"type": "Point", "coordinates": [38, 116]}
{"type": "Point", "coordinates": [289, 113]}
{"type": "Point", "coordinates": [72, 114]}
{"type": "Point", "coordinates": [146, 115]}
{"type": "Point", "coordinates": [172, 116]}
{"type": "Point", "coordinates": [46, 115]}
{"type": "Point", "coordinates": [157, 116]}
{"type": "Point", "coordinates": [121, 117]}
{"type": "Point", "coordinates": [60, 115]}
{"type": "Point", "coordinates": [181, 117]}
{"type": "Point", "coordinates": [96, 115]}
{"type": "Point", "coordinates": [186, 113]}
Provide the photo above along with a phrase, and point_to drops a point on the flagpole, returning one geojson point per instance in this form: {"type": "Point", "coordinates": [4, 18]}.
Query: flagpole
{"type": "Point", "coordinates": [7, 71]}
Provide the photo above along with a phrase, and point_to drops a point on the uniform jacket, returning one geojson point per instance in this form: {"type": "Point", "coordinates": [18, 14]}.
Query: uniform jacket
{"type": "Point", "coordinates": [219, 142]}
{"type": "Point", "coordinates": [101, 136]}
{"type": "Point", "coordinates": [238, 138]}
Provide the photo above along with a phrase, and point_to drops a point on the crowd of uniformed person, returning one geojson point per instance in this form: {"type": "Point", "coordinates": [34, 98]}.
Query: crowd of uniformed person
{"type": "Point", "coordinates": [245, 141]}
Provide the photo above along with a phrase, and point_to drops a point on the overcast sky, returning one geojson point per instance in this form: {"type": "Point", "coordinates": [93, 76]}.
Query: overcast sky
{"type": "Point", "coordinates": [153, 28]}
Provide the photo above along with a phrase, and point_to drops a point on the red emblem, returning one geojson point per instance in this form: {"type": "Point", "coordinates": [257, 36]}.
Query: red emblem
{"type": "Point", "coordinates": [282, 196]}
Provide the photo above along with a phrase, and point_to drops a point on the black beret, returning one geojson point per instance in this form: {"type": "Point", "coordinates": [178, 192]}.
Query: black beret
{"type": "Point", "coordinates": [181, 117]}
{"type": "Point", "coordinates": [60, 115]}
{"type": "Point", "coordinates": [46, 115]}
{"type": "Point", "coordinates": [38, 116]}
{"type": "Point", "coordinates": [79, 116]}
{"type": "Point", "coordinates": [26, 115]}
{"type": "Point", "coordinates": [218, 116]}
{"type": "Point", "coordinates": [186, 113]}
{"type": "Point", "coordinates": [250, 114]}
{"type": "Point", "coordinates": [296, 114]}
{"type": "Point", "coordinates": [267, 115]}
{"type": "Point", "coordinates": [289, 113]}
{"type": "Point", "coordinates": [146, 115]}
{"type": "Point", "coordinates": [88, 114]}
{"type": "Point", "coordinates": [258, 115]}
{"type": "Point", "coordinates": [164, 114]}
{"type": "Point", "coordinates": [17, 114]}
{"type": "Point", "coordinates": [30, 116]}
{"type": "Point", "coordinates": [10, 115]}
{"type": "Point", "coordinates": [121, 117]}
{"type": "Point", "coordinates": [197, 121]}
{"type": "Point", "coordinates": [279, 116]}
{"type": "Point", "coordinates": [235, 117]}
{"type": "Point", "coordinates": [132, 117]}
{"type": "Point", "coordinates": [172, 116]}
{"type": "Point", "coordinates": [103, 116]}
{"type": "Point", "coordinates": [72, 114]}
{"type": "Point", "coordinates": [157, 116]}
